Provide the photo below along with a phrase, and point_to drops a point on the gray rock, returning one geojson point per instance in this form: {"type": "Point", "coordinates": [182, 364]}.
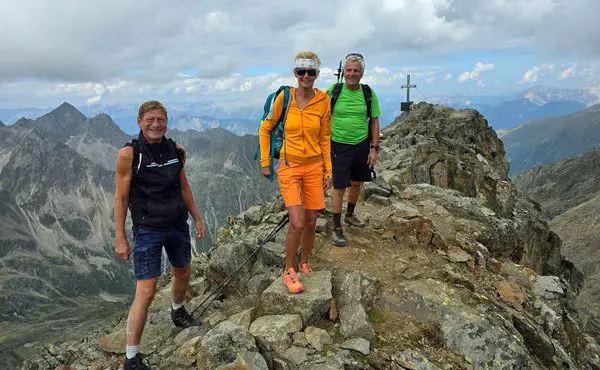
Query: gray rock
{"type": "Point", "coordinates": [184, 356]}
{"type": "Point", "coordinates": [411, 359]}
{"type": "Point", "coordinates": [247, 361]}
{"type": "Point", "coordinates": [243, 318]}
{"type": "Point", "coordinates": [317, 337]}
{"type": "Point", "coordinates": [370, 189]}
{"type": "Point", "coordinates": [354, 321]}
{"type": "Point", "coordinates": [466, 331]}
{"type": "Point", "coordinates": [296, 355]}
{"type": "Point", "coordinates": [348, 291]}
{"type": "Point", "coordinates": [321, 225]}
{"type": "Point", "coordinates": [197, 287]}
{"type": "Point", "coordinates": [300, 339]}
{"type": "Point", "coordinates": [187, 334]}
{"type": "Point", "coordinates": [220, 345]}
{"type": "Point", "coordinates": [547, 284]}
{"type": "Point", "coordinates": [257, 284]}
{"type": "Point", "coordinates": [536, 340]}
{"type": "Point", "coordinates": [272, 254]}
{"type": "Point", "coordinates": [274, 331]}
{"type": "Point", "coordinates": [253, 215]}
{"type": "Point", "coordinates": [213, 318]}
{"type": "Point", "coordinates": [312, 304]}
{"type": "Point", "coordinates": [357, 344]}
{"type": "Point", "coordinates": [380, 200]}
{"type": "Point", "coordinates": [591, 352]}
{"type": "Point", "coordinates": [225, 259]}
{"type": "Point", "coordinates": [280, 364]}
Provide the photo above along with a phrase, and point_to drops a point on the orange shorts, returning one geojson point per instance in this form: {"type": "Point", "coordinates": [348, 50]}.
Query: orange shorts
{"type": "Point", "coordinates": [302, 184]}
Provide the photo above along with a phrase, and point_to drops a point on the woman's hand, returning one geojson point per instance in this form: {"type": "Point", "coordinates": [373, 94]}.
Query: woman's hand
{"type": "Point", "coordinates": [266, 172]}
{"type": "Point", "coordinates": [327, 183]}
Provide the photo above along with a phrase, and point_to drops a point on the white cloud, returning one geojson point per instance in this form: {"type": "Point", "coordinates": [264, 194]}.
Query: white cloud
{"type": "Point", "coordinates": [567, 72]}
{"type": "Point", "coordinates": [475, 74]}
{"type": "Point", "coordinates": [155, 41]}
{"type": "Point", "coordinates": [536, 71]}
{"type": "Point", "coordinates": [571, 27]}
{"type": "Point", "coordinates": [147, 49]}
{"type": "Point", "coordinates": [430, 80]}
{"type": "Point", "coordinates": [381, 70]}
{"type": "Point", "coordinates": [448, 76]}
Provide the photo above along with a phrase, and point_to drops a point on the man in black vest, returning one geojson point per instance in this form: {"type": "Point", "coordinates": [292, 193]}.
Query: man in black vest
{"type": "Point", "coordinates": [151, 181]}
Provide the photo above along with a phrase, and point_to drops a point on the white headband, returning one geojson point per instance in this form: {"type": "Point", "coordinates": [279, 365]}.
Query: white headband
{"type": "Point", "coordinates": [306, 63]}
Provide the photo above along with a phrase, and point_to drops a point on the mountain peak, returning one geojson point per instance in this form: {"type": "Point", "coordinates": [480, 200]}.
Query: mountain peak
{"type": "Point", "coordinates": [62, 122]}
{"type": "Point", "coordinates": [66, 109]}
{"type": "Point", "coordinates": [23, 122]}
{"type": "Point", "coordinates": [2, 124]}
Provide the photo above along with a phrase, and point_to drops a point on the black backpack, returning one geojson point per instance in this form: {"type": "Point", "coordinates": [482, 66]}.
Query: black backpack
{"type": "Point", "coordinates": [366, 89]}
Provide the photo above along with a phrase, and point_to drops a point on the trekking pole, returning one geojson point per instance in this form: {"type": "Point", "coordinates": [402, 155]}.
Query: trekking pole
{"type": "Point", "coordinates": [339, 72]}
{"type": "Point", "coordinates": [273, 232]}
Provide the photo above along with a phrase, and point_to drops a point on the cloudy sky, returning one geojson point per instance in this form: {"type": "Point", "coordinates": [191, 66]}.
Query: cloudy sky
{"type": "Point", "coordinates": [233, 53]}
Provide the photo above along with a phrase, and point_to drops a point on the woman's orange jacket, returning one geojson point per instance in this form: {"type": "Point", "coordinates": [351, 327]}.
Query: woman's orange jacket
{"type": "Point", "coordinates": [307, 132]}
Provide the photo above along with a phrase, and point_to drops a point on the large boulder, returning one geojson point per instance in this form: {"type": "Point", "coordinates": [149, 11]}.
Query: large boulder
{"type": "Point", "coordinates": [221, 344]}
{"type": "Point", "coordinates": [312, 304]}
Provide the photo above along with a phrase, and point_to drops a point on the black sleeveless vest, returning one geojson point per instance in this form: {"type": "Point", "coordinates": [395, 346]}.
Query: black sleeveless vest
{"type": "Point", "coordinates": [155, 199]}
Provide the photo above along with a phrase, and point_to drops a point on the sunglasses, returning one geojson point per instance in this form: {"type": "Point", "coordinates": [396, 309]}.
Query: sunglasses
{"type": "Point", "coordinates": [302, 71]}
{"type": "Point", "coordinates": [355, 55]}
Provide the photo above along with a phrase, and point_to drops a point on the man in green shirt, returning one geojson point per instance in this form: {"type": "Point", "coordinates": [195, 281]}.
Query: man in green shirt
{"type": "Point", "coordinates": [354, 142]}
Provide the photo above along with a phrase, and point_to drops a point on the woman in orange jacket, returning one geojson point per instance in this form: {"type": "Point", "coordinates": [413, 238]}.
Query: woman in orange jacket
{"type": "Point", "coordinates": [304, 173]}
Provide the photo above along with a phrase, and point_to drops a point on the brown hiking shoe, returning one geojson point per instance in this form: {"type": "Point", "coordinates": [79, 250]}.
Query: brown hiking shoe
{"type": "Point", "coordinates": [354, 221]}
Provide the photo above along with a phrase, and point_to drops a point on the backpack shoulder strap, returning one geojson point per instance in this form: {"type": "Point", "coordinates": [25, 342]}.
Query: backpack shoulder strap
{"type": "Point", "coordinates": [335, 94]}
{"type": "Point", "coordinates": [180, 152]}
{"type": "Point", "coordinates": [137, 156]}
{"type": "Point", "coordinates": [368, 99]}
{"type": "Point", "coordinates": [287, 99]}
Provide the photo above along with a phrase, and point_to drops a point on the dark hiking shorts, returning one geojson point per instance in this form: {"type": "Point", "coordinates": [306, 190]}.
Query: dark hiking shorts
{"type": "Point", "coordinates": [147, 250]}
{"type": "Point", "coordinates": [349, 162]}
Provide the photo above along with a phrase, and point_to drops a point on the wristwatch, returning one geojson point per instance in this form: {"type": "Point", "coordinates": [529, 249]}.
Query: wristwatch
{"type": "Point", "coordinates": [375, 146]}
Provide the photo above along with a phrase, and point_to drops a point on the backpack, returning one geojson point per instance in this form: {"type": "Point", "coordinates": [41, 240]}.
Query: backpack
{"type": "Point", "coordinates": [277, 137]}
{"type": "Point", "coordinates": [137, 155]}
{"type": "Point", "coordinates": [366, 89]}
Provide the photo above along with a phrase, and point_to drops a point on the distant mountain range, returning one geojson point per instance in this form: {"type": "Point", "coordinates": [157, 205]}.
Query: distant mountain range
{"type": "Point", "coordinates": [550, 140]}
{"type": "Point", "coordinates": [502, 112]}
{"type": "Point", "coordinates": [509, 114]}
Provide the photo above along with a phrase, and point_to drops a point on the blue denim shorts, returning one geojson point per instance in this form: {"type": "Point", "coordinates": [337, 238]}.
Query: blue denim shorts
{"type": "Point", "coordinates": [147, 250]}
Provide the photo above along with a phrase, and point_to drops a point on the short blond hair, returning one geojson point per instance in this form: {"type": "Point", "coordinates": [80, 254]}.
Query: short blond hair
{"type": "Point", "coordinates": [307, 54]}
{"type": "Point", "coordinates": [150, 105]}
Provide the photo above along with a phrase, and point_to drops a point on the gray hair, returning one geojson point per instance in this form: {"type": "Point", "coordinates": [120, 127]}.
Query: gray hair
{"type": "Point", "coordinates": [353, 58]}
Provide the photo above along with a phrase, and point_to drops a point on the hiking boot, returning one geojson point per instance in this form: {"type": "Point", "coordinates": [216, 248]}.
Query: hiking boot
{"type": "Point", "coordinates": [304, 268]}
{"type": "Point", "coordinates": [135, 363]}
{"type": "Point", "coordinates": [182, 319]}
{"type": "Point", "coordinates": [338, 238]}
{"type": "Point", "coordinates": [354, 221]}
{"type": "Point", "coordinates": [290, 280]}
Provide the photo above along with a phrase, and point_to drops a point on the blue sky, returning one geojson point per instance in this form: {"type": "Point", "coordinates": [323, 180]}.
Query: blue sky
{"type": "Point", "coordinates": [227, 56]}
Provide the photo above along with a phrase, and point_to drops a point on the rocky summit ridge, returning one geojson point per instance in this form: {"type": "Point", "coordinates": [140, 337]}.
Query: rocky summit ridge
{"type": "Point", "coordinates": [456, 269]}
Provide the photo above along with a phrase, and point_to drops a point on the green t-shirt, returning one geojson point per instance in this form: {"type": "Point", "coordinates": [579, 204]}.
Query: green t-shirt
{"type": "Point", "coordinates": [349, 117]}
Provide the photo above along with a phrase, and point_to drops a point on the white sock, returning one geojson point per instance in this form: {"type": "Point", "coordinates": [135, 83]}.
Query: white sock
{"type": "Point", "coordinates": [131, 351]}
{"type": "Point", "coordinates": [177, 306]}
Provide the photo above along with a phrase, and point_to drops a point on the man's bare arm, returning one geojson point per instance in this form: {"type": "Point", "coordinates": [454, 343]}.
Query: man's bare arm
{"type": "Point", "coordinates": [123, 182]}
